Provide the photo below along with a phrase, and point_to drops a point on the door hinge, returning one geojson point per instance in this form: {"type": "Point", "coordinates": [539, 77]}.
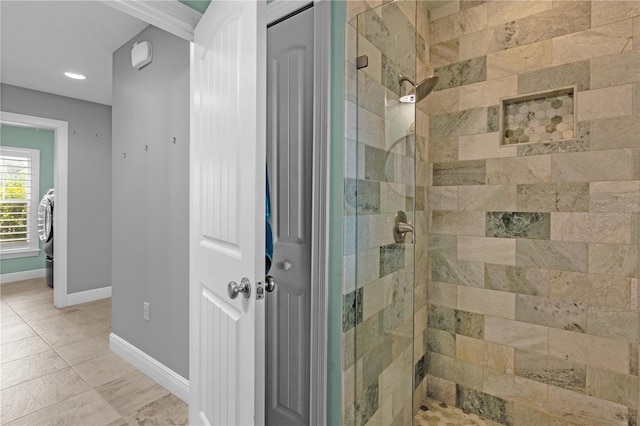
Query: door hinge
{"type": "Point", "coordinates": [362, 62]}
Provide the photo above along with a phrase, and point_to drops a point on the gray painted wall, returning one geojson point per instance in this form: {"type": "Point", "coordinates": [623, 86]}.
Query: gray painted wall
{"type": "Point", "coordinates": [89, 221]}
{"type": "Point", "coordinates": [151, 199]}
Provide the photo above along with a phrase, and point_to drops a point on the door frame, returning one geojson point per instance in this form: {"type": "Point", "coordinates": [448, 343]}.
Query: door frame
{"type": "Point", "coordinates": [60, 185]}
{"type": "Point", "coordinates": [180, 20]}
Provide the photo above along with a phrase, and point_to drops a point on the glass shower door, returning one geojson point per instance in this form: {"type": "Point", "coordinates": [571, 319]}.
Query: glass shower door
{"type": "Point", "coordinates": [382, 194]}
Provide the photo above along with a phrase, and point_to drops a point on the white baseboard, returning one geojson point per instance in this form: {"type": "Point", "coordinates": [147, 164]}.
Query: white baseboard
{"type": "Point", "coordinates": [169, 379]}
{"type": "Point", "coordinates": [88, 296]}
{"type": "Point", "coordinates": [21, 276]}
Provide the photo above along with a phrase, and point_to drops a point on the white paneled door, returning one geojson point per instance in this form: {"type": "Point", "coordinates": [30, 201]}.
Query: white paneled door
{"type": "Point", "coordinates": [228, 90]}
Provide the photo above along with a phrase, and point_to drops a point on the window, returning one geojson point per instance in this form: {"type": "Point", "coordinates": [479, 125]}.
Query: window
{"type": "Point", "coordinates": [19, 202]}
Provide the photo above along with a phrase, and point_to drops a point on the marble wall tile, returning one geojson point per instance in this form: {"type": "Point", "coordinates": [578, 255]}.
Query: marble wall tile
{"type": "Point", "coordinates": [553, 371]}
{"type": "Point", "coordinates": [601, 41]}
{"type": "Point", "coordinates": [571, 18]}
{"type": "Point", "coordinates": [462, 73]}
{"type": "Point", "coordinates": [533, 281]}
{"type": "Point", "coordinates": [457, 272]}
{"type": "Point", "coordinates": [604, 12]}
{"type": "Point", "coordinates": [487, 302]}
{"type": "Point", "coordinates": [371, 94]}
{"type": "Point", "coordinates": [587, 349]}
{"type": "Point", "coordinates": [636, 33]}
{"type": "Point", "coordinates": [443, 10]}
{"type": "Point", "coordinates": [466, 122]}
{"type": "Point", "coordinates": [470, 350]}
{"type": "Point", "coordinates": [444, 53]}
{"type": "Point", "coordinates": [611, 165]}
{"type": "Point", "coordinates": [460, 372]}
{"type": "Point", "coordinates": [378, 164]}
{"type": "Point", "coordinates": [370, 232]}
{"type": "Point", "coordinates": [489, 406]}
{"type": "Point", "coordinates": [574, 74]}
{"type": "Point", "coordinates": [592, 289]}
{"type": "Point", "coordinates": [488, 93]}
{"type": "Point", "coordinates": [539, 197]}
{"type": "Point", "coordinates": [613, 323]}
{"type": "Point", "coordinates": [393, 195]}
{"type": "Point", "coordinates": [365, 47]}
{"type": "Point", "coordinates": [361, 197]}
{"type": "Point", "coordinates": [487, 197]}
{"type": "Point", "coordinates": [615, 132]}
{"type": "Point", "coordinates": [470, 324]}
{"type": "Point", "coordinates": [443, 246]}
{"type": "Point", "coordinates": [371, 128]}
{"type": "Point", "coordinates": [519, 60]}
{"type": "Point", "coordinates": [473, 45]}
{"type": "Point", "coordinates": [591, 227]}
{"type": "Point", "coordinates": [613, 259]}
{"type": "Point", "coordinates": [561, 255]}
{"type": "Point", "coordinates": [441, 342]}
{"type": "Point", "coordinates": [443, 150]}
{"type": "Point", "coordinates": [513, 388]}
{"type": "Point", "coordinates": [499, 358]}
{"type": "Point", "coordinates": [482, 146]}
{"type": "Point", "coordinates": [442, 294]}
{"type": "Point", "coordinates": [442, 318]}
{"type": "Point", "coordinates": [518, 225]}
{"type": "Point", "coordinates": [445, 28]}
{"type": "Point", "coordinates": [517, 334]}
{"type": "Point", "coordinates": [618, 197]}
{"type": "Point", "coordinates": [376, 296]}
{"type": "Point", "coordinates": [367, 266]}
{"type": "Point", "coordinates": [441, 102]}
{"type": "Point", "coordinates": [526, 414]}
{"type": "Point", "coordinates": [584, 409]}
{"type": "Point", "coordinates": [567, 315]}
{"type": "Point", "coordinates": [443, 197]}
{"type": "Point", "coordinates": [458, 223]}
{"type": "Point", "coordinates": [500, 12]}
{"type": "Point", "coordinates": [490, 250]}
{"type": "Point", "coordinates": [617, 69]}
{"type": "Point", "coordinates": [351, 309]}
{"type": "Point", "coordinates": [441, 389]}
{"type": "Point", "coordinates": [615, 387]}
{"type": "Point", "coordinates": [603, 103]}
{"type": "Point", "coordinates": [572, 197]}
{"type": "Point", "coordinates": [518, 170]}
{"type": "Point", "coordinates": [392, 258]}
{"type": "Point", "coordinates": [471, 20]}
{"type": "Point", "coordinates": [493, 119]}
{"type": "Point", "coordinates": [571, 145]}
{"type": "Point", "coordinates": [459, 173]}
{"type": "Point", "coordinates": [366, 404]}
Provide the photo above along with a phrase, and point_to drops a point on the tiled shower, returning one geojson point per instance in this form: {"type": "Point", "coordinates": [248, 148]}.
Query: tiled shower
{"type": "Point", "coordinates": [516, 297]}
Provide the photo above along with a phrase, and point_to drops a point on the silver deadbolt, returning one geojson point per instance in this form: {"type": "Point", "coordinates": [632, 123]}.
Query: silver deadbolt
{"type": "Point", "coordinates": [233, 289]}
{"type": "Point", "coordinates": [270, 283]}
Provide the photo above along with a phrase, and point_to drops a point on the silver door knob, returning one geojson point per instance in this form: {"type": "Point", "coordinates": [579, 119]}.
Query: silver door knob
{"type": "Point", "coordinates": [270, 283]}
{"type": "Point", "coordinates": [233, 289]}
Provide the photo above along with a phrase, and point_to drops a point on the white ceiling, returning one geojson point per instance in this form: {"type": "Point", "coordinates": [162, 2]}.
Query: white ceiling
{"type": "Point", "coordinates": [43, 39]}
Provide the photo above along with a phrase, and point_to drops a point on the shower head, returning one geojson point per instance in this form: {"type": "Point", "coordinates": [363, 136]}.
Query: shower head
{"type": "Point", "coordinates": [419, 91]}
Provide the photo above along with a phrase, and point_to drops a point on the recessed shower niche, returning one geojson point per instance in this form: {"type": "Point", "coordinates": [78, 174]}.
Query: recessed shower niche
{"type": "Point", "coordinates": [539, 117]}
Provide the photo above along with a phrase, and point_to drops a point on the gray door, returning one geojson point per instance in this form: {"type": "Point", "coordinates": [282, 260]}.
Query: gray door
{"type": "Point", "coordinates": [289, 159]}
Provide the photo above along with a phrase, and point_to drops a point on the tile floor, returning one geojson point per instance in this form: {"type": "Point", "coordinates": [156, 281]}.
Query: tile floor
{"type": "Point", "coordinates": [439, 414]}
{"type": "Point", "coordinates": [56, 367]}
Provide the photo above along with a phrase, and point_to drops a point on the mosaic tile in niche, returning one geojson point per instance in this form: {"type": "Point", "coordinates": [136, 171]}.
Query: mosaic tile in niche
{"type": "Point", "coordinates": [548, 117]}
{"type": "Point", "coordinates": [518, 225]}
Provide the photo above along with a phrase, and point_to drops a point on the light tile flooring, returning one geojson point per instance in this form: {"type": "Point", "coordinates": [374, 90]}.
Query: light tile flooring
{"type": "Point", "coordinates": [440, 414]}
{"type": "Point", "coordinates": [56, 367]}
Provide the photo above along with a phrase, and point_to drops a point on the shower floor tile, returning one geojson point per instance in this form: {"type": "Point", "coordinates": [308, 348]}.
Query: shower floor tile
{"type": "Point", "coordinates": [440, 414]}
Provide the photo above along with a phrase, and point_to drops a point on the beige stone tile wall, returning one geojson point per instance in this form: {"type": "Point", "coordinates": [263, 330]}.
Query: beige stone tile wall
{"type": "Point", "coordinates": [532, 287]}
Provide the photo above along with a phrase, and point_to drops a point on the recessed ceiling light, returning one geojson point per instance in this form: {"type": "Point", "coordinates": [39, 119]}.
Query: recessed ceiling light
{"type": "Point", "coordinates": [75, 76]}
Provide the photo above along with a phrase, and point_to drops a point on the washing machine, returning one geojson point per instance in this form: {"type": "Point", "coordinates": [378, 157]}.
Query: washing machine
{"type": "Point", "coordinates": [45, 232]}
